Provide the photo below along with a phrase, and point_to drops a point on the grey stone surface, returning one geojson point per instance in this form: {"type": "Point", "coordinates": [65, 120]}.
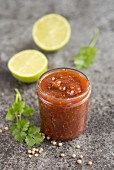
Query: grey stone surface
{"type": "Point", "coordinates": [16, 21]}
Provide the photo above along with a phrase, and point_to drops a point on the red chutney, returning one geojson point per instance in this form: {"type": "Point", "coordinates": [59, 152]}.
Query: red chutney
{"type": "Point", "coordinates": [63, 95]}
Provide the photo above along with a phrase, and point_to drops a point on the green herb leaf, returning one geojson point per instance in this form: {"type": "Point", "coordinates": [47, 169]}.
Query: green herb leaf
{"type": "Point", "coordinates": [33, 137]}
{"type": "Point", "coordinates": [19, 106]}
{"type": "Point", "coordinates": [28, 111]}
{"type": "Point", "coordinates": [19, 130]}
{"type": "Point", "coordinates": [85, 57]}
{"type": "Point", "coordinates": [22, 130]}
{"type": "Point", "coordinates": [23, 124]}
{"type": "Point", "coordinates": [10, 114]}
{"type": "Point", "coordinates": [19, 135]}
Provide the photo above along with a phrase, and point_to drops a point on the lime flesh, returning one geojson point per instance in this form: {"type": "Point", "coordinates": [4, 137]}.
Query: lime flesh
{"type": "Point", "coordinates": [51, 32]}
{"type": "Point", "coordinates": [28, 65]}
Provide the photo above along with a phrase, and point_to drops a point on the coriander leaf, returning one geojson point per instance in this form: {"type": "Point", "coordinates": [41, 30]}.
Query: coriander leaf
{"type": "Point", "coordinates": [23, 124]}
{"type": "Point", "coordinates": [19, 130]}
{"type": "Point", "coordinates": [34, 130]}
{"type": "Point", "coordinates": [34, 136]}
{"type": "Point", "coordinates": [85, 57]}
{"type": "Point", "coordinates": [19, 107]}
{"type": "Point", "coordinates": [28, 111]}
{"type": "Point", "coordinates": [11, 114]}
{"type": "Point", "coordinates": [30, 141]}
{"type": "Point", "coordinates": [18, 134]}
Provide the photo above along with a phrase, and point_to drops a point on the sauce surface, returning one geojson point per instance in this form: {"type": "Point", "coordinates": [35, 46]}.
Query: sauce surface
{"type": "Point", "coordinates": [64, 84]}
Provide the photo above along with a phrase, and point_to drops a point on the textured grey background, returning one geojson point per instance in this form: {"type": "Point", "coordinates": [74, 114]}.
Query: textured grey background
{"type": "Point", "coordinates": [16, 21]}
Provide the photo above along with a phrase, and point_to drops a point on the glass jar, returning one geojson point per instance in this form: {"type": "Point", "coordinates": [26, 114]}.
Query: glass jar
{"type": "Point", "coordinates": [63, 118]}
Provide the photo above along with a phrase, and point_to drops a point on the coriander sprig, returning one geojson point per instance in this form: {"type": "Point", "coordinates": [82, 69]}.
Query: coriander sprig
{"type": "Point", "coordinates": [85, 57]}
{"type": "Point", "coordinates": [22, 130]}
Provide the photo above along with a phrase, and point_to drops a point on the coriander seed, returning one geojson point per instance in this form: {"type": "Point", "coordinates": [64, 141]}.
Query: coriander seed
{"type": "Point", "coordinates": [36, 155]}
{"type": "Point", "coordinates": [30, 156]}
{"type": "Point", "coordinates": [79, 161]}
{"type": "Point", "coordinates": [54, 143]}
{"type": "Point", "coordinates": [6, 128]}
{"type": "Point", "coordinates": [33, 149]}
{"type": "Point", "coordinates": [33, 152]}
{"type": "Point", "coordinates": [60, 144]}
{"type": "Point", "coordinates": [81, 156]}
{"type": "Point", "coordinates": [62, 155]}
{"type": "Point", "coordinates": [48, 138]}
{"type": "Point", "coordinates": [73, 155]}
{"type": "Point", "coordinates": [37, 150]}
{"type": "Point", "coordinates": [78, 146]}
{"type": "Point", "coordinates": [29, 151]}
{"type": "Point", "coordinates": [89, 163]}
{"type": "Point", "coordinates": [40, 150]}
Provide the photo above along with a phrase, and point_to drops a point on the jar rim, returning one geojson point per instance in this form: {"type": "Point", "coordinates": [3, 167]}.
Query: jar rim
{"type": "Point", "coordinates": [57, 70]}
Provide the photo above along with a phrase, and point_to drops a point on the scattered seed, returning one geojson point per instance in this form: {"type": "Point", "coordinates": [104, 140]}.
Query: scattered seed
{"type": "Point", "coordinates": [30, 156]}
{"type": "Point", "coordinates": [34, 149]}
{"type": "Point", "coordinates": [0, 130]}
{"type": "Point", "coordinates": [60, 144]}
{"type": "Point", "coordinates": [33, 152]}
{"type": "Point", "coordinates": [78, 146]}
{"type": "Point", "coordinates": [73, 155]}
{"type": "Point", "coordinates": [79, 161]}
{"type": "Point", "coordinates": [40, 150]}
{"type": "Point", "coordinates": [54, 142]}
{"type": "Point", "coordinates": [29, 151]}
{"type": "Point", "coordinates": [36, 154]}
{"type": "Point", "coordinates": [48, 138]}
{"type": "Point", "coordinates": [62, 155]}
{"type": "Point", "coordinates": [89, 163]}
{"type": "Point", "coordinates": [43, 135]}
{"type": "Point", "coordinates": [6, 128]}
{"type": "Point", "coordinates": [37, 150]}
{"type": "Point", "coordinates": [81, 156]}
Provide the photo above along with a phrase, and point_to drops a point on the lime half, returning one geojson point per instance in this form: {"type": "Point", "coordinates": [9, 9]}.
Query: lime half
{"type": "Point", "coordinates": [28, 65]}
{"type": "Point", "coordinates": [51, 32]}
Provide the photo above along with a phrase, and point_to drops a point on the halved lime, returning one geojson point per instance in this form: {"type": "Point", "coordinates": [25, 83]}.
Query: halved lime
{"type": "Point", "coordinates": [28, 65]}
{"type": "Point", "coordinates": [51, 32]}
